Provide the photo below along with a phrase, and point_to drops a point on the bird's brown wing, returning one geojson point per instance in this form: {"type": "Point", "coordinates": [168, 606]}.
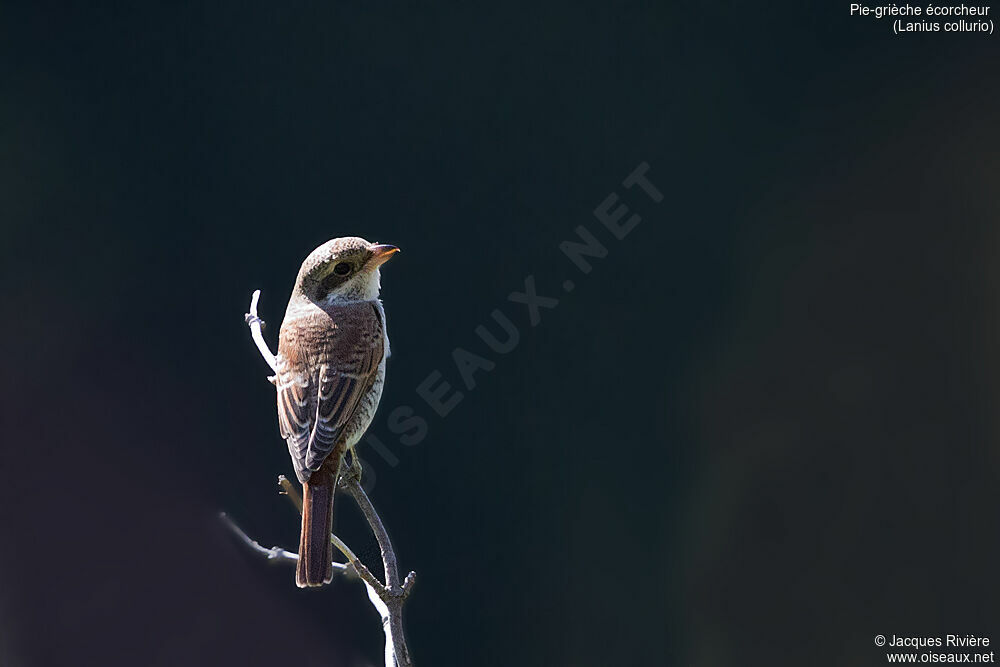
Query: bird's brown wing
{"type": "Point", "coordinates": [326, 363]}
{"type": "Point", "coordinates": [296, 405]}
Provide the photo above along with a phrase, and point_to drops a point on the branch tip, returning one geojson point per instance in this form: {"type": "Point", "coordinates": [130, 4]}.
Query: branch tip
{"type": "Point", "coordinates": [256, 324]}
{"type": "Point", "coordinates": [286, 488]}
{"type": "Point", "coordinates": [411, 579]}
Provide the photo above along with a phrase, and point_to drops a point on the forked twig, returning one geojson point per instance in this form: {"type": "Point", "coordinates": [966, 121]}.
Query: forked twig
{"type": "Point", "coordinates": [288, 489]}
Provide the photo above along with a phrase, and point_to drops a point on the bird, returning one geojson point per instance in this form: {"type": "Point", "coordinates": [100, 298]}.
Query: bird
{"type": "Point", "coordinates": [330, 369]}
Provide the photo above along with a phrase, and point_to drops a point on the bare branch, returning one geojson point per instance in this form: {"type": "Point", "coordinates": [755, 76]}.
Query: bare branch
{"type": "Point", "coordinates": [255, 332]}
{"type": "Point", "coordinates": [350, 481]}
{"type": "Point", "coordinates": [387, 599]}
{"type": "Point", "coordinates": [288, 489]}
{"type": "Point", "coordinates": [393, 595]}
{"type": "Point", "coordinates": [274, 554]}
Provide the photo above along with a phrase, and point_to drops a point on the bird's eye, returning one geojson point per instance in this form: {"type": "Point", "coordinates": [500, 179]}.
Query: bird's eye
{"type": "Point", "coordinates": [342, 269]}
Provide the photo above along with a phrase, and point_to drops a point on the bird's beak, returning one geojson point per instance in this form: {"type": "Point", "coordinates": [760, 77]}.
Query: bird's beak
{"type": "Point", "coordinates": [381, 254]}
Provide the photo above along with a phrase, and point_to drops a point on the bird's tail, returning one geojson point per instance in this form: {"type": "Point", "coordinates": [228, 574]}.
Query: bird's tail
{"type": "Point", "coordinates": [315, 567]}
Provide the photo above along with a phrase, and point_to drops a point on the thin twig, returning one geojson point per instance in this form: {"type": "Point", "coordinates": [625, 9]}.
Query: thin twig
{"type": "Point", "coordinates": [293, 495]}
{"type": "Point", "coordinates": [274, 554]}
{"type": "Point", "coordinates": [288, 489]}
{"type": "Point", "coordinates": [394, 595]}
{"type": "Point", "coordinates": [255, 332]}
{"type": "Point", "coordinates": [388, 601]}
{"type": "Point", "coordinates": [279, 555]}
{"type": "Point", "coordinates": [351, 483]}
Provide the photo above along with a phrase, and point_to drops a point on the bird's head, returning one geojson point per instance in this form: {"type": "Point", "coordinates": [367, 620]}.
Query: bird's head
{"type": "Point", "coordinates": [343, 270]}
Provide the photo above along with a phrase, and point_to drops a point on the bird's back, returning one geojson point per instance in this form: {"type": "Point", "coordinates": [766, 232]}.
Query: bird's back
{"type": "Point", "coordinates": [329, 360]}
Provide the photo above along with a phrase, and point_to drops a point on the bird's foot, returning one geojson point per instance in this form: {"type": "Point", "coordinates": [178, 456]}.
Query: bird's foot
{"type": "Point", "coordinates": [352, 469]}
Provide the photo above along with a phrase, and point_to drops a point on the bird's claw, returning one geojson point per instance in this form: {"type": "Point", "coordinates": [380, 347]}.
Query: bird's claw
{"type": "Point", "coordinates": [355, 464]}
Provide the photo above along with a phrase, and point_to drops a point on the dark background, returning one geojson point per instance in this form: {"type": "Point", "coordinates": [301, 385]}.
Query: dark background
{"type": "Point", "coordinates": [761, 431]}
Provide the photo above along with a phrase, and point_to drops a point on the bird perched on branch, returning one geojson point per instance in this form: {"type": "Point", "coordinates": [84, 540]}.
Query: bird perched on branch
{"type": "Point", "coordinates": [330, 370]}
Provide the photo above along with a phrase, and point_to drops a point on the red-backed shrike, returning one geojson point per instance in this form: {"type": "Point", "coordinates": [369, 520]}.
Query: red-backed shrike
{"type": "Point", "coordinates": [331, 367]}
